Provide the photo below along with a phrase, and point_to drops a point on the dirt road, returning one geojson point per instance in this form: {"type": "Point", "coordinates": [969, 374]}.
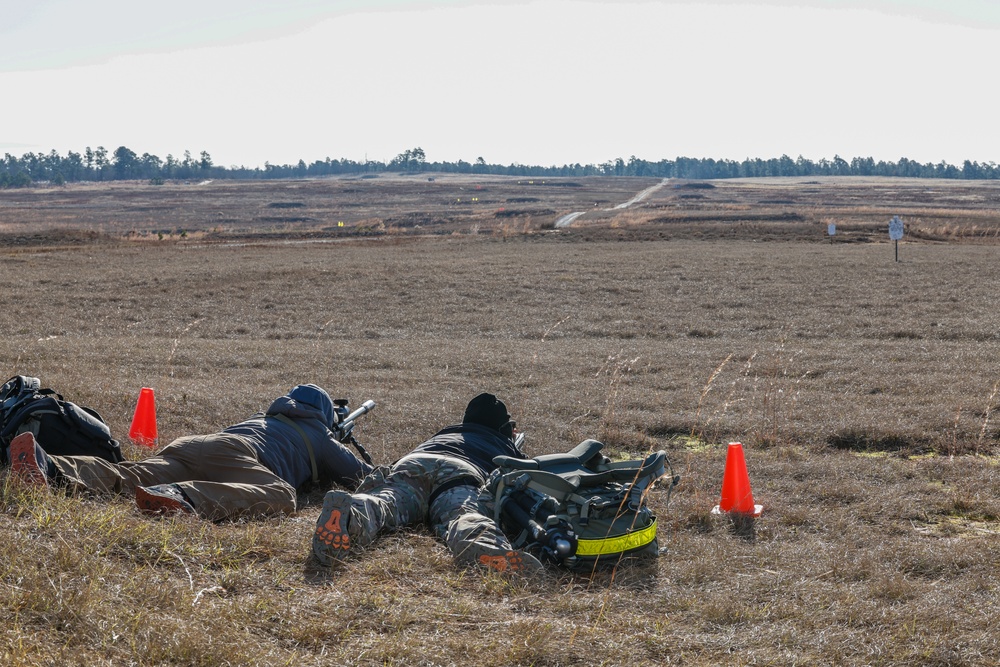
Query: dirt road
{"type": "Point", "coordinates": [569, 218]}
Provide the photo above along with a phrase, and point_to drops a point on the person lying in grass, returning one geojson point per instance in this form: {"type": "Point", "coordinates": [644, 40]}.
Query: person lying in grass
{"type": "Point", "coordinates": [437, 483]}
{"type": "Point", "coordinates": [251, 469]}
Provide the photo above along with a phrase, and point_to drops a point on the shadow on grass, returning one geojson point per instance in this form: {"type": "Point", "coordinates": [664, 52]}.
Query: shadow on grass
{"type": "Point", "coordinates": [743, 526]}
{"type": "Point", "coordinates": [865, 441]}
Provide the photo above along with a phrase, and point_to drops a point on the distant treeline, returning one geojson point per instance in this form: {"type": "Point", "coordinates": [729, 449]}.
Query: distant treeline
{"type": "Point", "coordinates": [125, 164]}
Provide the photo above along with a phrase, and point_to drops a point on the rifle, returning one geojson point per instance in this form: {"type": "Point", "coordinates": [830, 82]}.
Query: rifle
{"type": "Point", "coordinates": [345, 425]}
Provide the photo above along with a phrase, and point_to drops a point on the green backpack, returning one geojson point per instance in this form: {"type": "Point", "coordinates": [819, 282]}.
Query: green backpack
{"type": "Point", "coordinates": [578, 509]}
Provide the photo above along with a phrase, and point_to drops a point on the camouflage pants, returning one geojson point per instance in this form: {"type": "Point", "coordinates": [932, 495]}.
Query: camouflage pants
{"type": "Point", "coordinates": [438, 490]}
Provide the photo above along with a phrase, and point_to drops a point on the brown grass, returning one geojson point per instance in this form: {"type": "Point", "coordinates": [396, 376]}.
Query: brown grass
{"type": "Point", "coordinates": [864, 391]}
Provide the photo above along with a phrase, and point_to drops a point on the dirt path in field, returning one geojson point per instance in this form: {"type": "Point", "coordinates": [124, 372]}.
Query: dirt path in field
{"type": "Point", "coordinates": [642, 195]}
{"type": "Point", "coordinates": [569, 218]}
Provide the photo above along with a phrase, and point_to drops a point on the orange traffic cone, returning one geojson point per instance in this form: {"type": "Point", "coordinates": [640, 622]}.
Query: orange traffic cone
{"type": "Point", "coordinates": [737, 497]}
{"type": "Point", "coordinates": [143, 430]}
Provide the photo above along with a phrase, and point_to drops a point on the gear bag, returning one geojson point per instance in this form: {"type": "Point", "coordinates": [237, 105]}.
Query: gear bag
{"type": "Point", "coordinates": [578, 509]}
{"type": "Point", "coordinates": [62, 428]}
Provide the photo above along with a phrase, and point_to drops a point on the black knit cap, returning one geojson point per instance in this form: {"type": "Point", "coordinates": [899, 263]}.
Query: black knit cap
{"type": "Point", "coordinates": [488, 410]}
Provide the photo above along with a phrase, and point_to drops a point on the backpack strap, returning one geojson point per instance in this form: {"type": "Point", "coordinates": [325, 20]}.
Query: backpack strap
{"type": "Point", "coordinates": [629, 472]}
{"type": "Point", "coordinates": [640, 478]}
{"type": "Point", "coordinates": [285, 419]}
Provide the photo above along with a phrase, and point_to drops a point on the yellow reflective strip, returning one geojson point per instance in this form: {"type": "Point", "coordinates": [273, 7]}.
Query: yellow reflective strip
{"type": "Point", "coordinates": [617, 545]}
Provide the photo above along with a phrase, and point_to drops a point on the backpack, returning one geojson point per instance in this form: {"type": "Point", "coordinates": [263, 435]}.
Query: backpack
{"type": "Point", "coordinates": [578, 509]}
{"type": "Point", "coordinates": [60, 427]}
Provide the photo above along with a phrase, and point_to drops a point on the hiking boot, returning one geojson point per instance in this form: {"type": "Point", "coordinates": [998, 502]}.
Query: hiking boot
{"type": "Point", "coordinates": [28, 461]}
{"type": "Point", "coordinates": [346, 522]}
{"type": "Point", "coordinates": [500, 559]}
{"type": "Point", "coordinates": [164, 499]}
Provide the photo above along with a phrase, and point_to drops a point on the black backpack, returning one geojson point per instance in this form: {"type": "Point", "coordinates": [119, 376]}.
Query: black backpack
{"type": "Point", "coordinates": [578, 509]}
{"type": "Point", "coordinates": [62, 428]}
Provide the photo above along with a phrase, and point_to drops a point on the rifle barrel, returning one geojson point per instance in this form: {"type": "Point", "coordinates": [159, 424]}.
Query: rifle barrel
{"type": "Point", "coordinates": [365, 407]}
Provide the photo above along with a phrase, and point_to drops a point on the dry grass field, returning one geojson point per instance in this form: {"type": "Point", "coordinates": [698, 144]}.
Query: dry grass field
{"type": "Point", "coordinates": [865, 391]}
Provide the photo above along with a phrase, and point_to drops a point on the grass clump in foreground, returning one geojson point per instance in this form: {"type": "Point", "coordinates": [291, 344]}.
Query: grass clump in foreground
{"type": "Point", "coordinates": [853, 558]}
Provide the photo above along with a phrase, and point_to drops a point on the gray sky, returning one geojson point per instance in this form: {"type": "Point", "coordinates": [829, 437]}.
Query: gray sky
{"type": "Point", "coordinates": [544, 82]}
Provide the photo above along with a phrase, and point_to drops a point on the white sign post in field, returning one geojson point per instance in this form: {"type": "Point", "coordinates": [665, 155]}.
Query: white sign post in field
{"type": "Point", "coordinates": [896, 232]}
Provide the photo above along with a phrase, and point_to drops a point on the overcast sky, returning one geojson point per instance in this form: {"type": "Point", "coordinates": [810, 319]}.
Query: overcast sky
{"type": "Point", "coordinates": [549, 82]}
